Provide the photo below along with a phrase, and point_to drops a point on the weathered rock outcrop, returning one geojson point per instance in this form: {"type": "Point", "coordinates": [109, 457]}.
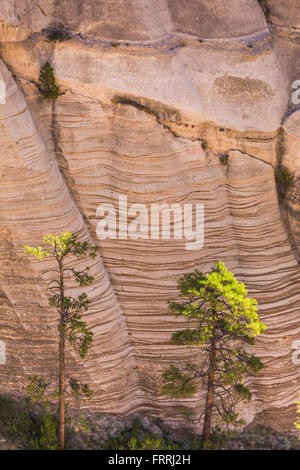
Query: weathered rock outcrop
{"type": "Point", "coordinates": [215, 79]}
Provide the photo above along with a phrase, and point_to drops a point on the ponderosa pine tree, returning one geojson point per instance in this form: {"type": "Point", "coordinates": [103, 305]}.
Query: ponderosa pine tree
{"type": "Point", "coordinates": [71, 327]}
{"type": "Point", "coordinates": [47, 84]}
{"type": "Point", "coordinates": [222, 320]}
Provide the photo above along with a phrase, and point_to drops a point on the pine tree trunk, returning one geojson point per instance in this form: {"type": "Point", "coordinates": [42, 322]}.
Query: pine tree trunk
{"type": "Point", "coordinates": [62, 407]}
{"type": "Point", "coordinates": [61, 414]}
{"type": "Point", "coordinates": [210, 390]}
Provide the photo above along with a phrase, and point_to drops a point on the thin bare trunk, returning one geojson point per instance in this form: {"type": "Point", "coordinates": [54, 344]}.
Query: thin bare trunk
{"type": "Point", "coordinates": [210, 390]}
{"type": "Point", "coordinates": [62, 406]}
{"type": "Point", "coordinates": [62, 390]}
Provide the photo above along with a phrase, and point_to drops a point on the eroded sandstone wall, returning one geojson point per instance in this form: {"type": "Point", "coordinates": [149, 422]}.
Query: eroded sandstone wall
{"type": "Point", "coordinates": [217, 78]}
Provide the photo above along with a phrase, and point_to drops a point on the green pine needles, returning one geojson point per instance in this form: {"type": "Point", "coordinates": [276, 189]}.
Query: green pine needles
{"type": "Point", "coordinates": [47, 85]}
{"type": "Point", "coordinates": [222, 320]}
{"type": "Point", "coordinates": [284, 181]}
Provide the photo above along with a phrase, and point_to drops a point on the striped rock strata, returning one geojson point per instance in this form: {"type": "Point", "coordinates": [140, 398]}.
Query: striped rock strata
{"type": "Point", "coordinates": [214, 80]}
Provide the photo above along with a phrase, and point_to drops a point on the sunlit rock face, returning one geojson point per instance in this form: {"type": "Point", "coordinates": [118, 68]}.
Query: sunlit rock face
{"type": "Point", "coordinates": [215, 80]}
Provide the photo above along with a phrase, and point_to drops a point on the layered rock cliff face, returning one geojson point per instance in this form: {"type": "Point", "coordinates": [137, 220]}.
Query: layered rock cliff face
{"type": "Point", "coordinates": [215, 78]}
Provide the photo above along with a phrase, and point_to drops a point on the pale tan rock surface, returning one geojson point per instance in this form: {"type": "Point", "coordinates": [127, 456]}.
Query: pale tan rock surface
{"type": "Point", "coordinates": [219, 75]}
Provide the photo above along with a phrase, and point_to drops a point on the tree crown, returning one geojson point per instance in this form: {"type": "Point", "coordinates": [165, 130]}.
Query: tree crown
{"type": "Point", "coordinates": [216, 300]}
{"type": "Point", "coordinates": [69, 308]}
{"type": "Point", "coordinates": [61, 246]}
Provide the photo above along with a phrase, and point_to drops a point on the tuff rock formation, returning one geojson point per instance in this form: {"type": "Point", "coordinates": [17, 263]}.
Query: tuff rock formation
{"type": "Point", "coordinates": [215, 79]}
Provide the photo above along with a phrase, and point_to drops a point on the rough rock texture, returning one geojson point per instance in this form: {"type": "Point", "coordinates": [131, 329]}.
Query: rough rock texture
{"type": "Point", "coordinates": [217, 78]}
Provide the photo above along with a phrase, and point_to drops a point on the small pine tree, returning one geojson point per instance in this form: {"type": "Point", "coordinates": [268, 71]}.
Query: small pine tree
{"type": "Point", "coordinates": [222, 318]}
{"type": "Point", "coordinates": [47, 438]}
{"type": "Point", "coordinates": [47, 85]}
{"type": "Point", "coordinates": [71, 327]}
